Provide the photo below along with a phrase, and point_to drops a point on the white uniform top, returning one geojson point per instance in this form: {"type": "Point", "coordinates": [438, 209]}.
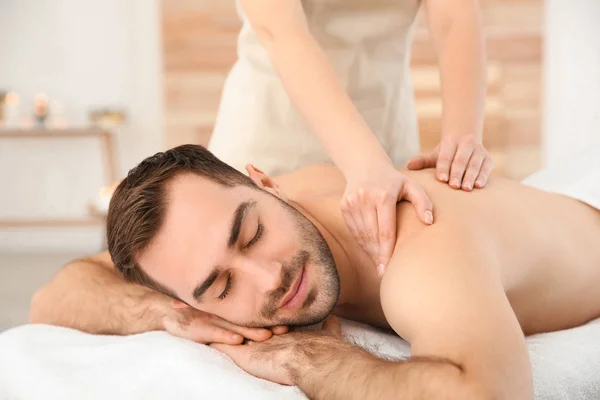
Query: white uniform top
{"type": "Point", "coordinates": [368, 43]}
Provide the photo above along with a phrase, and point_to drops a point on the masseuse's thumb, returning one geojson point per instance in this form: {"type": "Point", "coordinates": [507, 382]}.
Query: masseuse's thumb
{"type": "Point", "coordinates": [427, 160]}
{"type": "Point", "coordinates": [415, 193]}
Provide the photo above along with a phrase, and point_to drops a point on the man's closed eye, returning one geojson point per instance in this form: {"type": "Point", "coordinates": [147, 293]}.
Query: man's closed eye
{"type": "Point", "coordinates": [227, 287]}
{"type": "Point", "coordinates": [259, 231]}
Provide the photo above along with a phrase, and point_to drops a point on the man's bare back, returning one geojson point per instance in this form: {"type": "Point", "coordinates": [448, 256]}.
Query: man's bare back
{"type": "Point", "coordinates": [545, 245]}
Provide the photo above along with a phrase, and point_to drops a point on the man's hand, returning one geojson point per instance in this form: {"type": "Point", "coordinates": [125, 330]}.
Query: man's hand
{"type": "Point", "coordinates": [369, 207]}
{"type": "Point", "coordinates": [276, 358]}
{"type": "Point", "coordinates": [201, 327]}
{"type": "Point", "coordinates": [462, 162]}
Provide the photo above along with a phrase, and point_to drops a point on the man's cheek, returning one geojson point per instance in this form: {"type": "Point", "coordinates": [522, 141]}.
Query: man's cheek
{"type": "Point", "coordinates": [242, 312]}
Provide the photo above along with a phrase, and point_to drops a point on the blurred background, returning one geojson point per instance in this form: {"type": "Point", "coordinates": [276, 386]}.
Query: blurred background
{"type": "Point", "coordinates": [88, 89]}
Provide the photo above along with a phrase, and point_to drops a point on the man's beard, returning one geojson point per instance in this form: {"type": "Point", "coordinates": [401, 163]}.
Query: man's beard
{"type": "Point", "coordinates": [320, 300]}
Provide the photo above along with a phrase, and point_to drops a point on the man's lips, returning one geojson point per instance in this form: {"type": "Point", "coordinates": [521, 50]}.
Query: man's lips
{"type": "Point", "coordinates": [294, 289]}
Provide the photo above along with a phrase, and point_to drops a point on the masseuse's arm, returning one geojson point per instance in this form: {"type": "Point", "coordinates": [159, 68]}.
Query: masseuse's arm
{"type": "Point", "coordinates": [373, 185]}
{"type": "Point", "coordinates": [448, 302]}
{"type": "Point", "coordinates": [91, 296]}
{"type": "Point", "coordinates": [457, 35]}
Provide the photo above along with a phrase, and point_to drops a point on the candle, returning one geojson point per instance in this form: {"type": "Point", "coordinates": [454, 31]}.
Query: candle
{"type": "Point", "coordinates": [11, 110]}
{"type": "Point", "coordinates": [40, 108]}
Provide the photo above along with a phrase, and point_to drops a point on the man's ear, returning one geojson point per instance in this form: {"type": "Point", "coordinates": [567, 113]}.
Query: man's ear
{"type": "Point", "coordinates": [263, 181]}
{"type": "Point", "coordinates": [178, 304]}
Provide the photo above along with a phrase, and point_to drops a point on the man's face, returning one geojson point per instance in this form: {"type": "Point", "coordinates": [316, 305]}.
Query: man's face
{"type": "Point", "coordinates": [242, 254]}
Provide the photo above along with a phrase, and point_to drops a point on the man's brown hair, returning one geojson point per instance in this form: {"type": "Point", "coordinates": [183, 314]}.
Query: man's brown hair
{"type": "Point", "coordinates": [137, 208]}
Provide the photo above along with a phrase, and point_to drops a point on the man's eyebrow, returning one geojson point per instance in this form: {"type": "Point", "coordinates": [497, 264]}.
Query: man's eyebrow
{"type": "Point", "coordinates": [236, 227]}
{"type": "Point", "coordinates": [238, 219]}
{"type": "Point", "coordinates": [203, 287]}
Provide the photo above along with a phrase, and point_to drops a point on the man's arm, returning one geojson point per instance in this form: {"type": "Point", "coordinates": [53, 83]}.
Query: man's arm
{"type": "Point", "coordinates": [91, 296]}
{"type": "Point", "coordinates": [445, 297]}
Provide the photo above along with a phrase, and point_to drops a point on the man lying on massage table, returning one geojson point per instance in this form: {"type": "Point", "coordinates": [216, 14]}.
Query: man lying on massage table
{"type": "Point", "coordinates": [497, 264]}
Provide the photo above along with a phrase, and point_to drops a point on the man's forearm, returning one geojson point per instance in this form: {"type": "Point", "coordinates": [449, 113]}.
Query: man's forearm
{"type": "Point", "coordinates": [332, 369]}
{"type": "Point", "coordinates": [92, 297]}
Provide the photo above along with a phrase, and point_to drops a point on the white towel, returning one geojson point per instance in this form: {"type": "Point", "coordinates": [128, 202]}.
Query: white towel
{"type": "Point", "coordinates": [41, 361]}
{"type": "Point", "coordinates": [578, 178]}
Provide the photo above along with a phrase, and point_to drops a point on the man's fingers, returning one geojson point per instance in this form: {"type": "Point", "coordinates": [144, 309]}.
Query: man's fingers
{"type": "Point", "coordinates": [447, 151]}
{"type": "Point", "coordinates": [459, 165]}
{"type": "Point", "coordinates": [223, 348]}
{"type": "Point", "coordinates": [234, 352]}
{"type": "Point", "coordinates": [280, 330]}
{"type": "Point", "coordinates": [484, 173]}
{"type": "Point", "coordinates": [256, 334]}
{"type": "Point", "coordinates": [423, 161]}
{"type": "Point", "coordinates": [213, 333]}
{"type": "Point", "coordinates": [420, 200]}
{"type": "Point", "coordinates": [473, 170]}
{"type": "Point", "coordinates": [386, 218]}
{"type": "Point", "coordinates": [332, 324]}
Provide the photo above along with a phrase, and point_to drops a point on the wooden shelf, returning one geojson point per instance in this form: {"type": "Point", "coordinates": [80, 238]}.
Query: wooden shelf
{"type": "Point", "coordinates": [108, 150]}
{"type": "Point", "coordinates": [51, 223]}
{"type": "Point", "coordinates": [52, 133]}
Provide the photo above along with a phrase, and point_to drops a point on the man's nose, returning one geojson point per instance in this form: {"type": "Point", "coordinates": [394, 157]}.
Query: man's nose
{"type": "Point", "coordinates": [265, 274]}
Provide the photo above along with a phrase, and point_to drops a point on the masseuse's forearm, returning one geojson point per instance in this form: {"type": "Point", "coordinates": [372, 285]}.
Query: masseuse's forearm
{"type": "Point", "coordinates": [460, 46]}
{"type": "Point", "coordinates": [336, 370]}
{"type": "Point", "coordinates": [313, 86]}
{"type": "Point", "coordinates": [91, 296]}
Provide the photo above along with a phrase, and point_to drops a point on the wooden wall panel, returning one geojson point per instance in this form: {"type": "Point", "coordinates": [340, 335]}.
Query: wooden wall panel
{"type": "Point", "coordinates": [200, 39]}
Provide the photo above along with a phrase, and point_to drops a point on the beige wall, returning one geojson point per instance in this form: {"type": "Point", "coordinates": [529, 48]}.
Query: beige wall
{"type": "Point", "coordinates": [199, 39]}
{"type": "Point", "coordinates": [83, 54]}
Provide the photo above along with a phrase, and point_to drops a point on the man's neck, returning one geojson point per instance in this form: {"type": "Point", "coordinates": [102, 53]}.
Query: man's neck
{"type": "Point", "coordinates": [348, 273]}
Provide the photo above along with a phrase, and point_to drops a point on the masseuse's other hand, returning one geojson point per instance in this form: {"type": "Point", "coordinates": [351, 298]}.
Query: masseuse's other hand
{"type": "Point", "coordinates": [369, 207]}
{"type": "Point", "coordinates": [462, 162]}
{"type": "Point", "coordinates": [189, 323]}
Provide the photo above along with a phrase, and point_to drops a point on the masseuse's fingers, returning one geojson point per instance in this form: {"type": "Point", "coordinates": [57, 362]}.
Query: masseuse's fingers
{"type": "Point", "coordinates": [459, 165]}
{"type": "Point", "coordinates": [356, 211]}
{"type": "Point", "coordinates": [346, 207]}
{"type": "Point", "coordinates": [484, 174]}
{"type": "Point", "coordinates": [445, 158]}
{"type": "Point", "coordinates": [370, 235]}
{"type": "Point", "coordinates": [351, 210]}
{"type": "Point", "coordinates": [386, 217]}
{"type": "Point", "coordinates": [427, 160]}
{"type": "Point", "coordinates": [420, 200]}
{"type": "Point", "coordinates": [473, 170]}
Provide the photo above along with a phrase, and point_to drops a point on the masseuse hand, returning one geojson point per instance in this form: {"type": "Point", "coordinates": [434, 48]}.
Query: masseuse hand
{"type": "Point", "coordinates": [369, 207]}
{"type": "Point", "coordinates": [202, 327]}
{"type": "Point", "coordinates": [462, 162]}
